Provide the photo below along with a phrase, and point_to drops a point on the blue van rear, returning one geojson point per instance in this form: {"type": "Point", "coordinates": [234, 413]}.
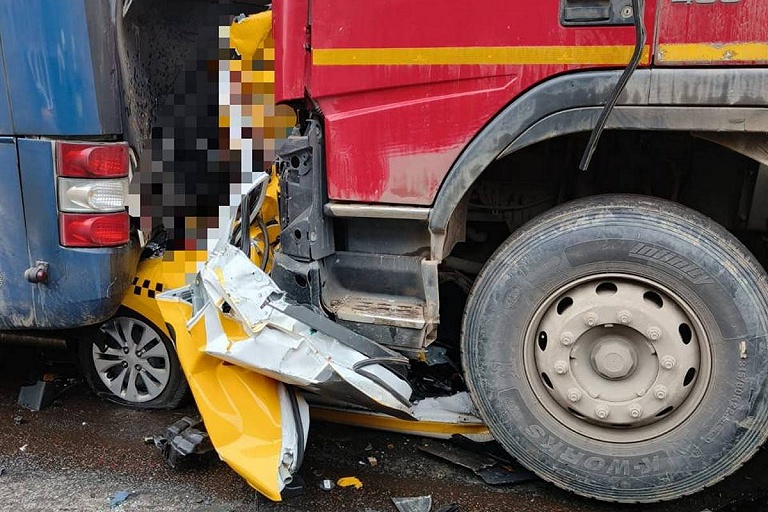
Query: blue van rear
{"type": "Point", "coordinates": [66, 253]}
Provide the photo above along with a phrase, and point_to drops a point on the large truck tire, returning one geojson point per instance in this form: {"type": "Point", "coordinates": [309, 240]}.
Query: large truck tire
{"type": "Point", "coordinates": [616, 346]}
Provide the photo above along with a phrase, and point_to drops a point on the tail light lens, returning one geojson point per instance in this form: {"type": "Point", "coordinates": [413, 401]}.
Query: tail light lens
{"type": "Point", "coordinates": [94, 230]}
{"type": "Point", "coordinates": [88, 160]}
{"type": "Point", "coordinates": [78, 195]}
{"type": "Point", "coordinates": [92, 193]}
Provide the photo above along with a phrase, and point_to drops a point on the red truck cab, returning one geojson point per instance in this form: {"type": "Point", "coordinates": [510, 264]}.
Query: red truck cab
{"type": "Point", "coordinates": [610, 323]}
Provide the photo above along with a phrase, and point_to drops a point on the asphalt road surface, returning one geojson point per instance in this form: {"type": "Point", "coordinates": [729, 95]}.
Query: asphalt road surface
{"type": "Point", "coordinates": [79, 452]}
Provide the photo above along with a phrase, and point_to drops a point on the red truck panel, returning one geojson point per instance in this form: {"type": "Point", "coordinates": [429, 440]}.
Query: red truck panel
{"type": "Point", "coordinates": [404, 85]}
{"type": "Point", "coordinates": [707, 32]}
{"type": "Point", "coordinates": [290, 19]}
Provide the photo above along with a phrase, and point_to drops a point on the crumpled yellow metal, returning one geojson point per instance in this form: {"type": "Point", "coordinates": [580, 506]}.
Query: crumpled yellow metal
{"type": "Point", "coordinates": [240, 408]}
{"type": "Point", "coordinates": [251, 34]}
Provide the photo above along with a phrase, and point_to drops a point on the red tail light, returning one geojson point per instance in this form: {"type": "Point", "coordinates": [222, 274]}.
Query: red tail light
{"type": "Point", "coordinates": [88, 160]}
{"type": "Point", "coordinates": [94, 230]}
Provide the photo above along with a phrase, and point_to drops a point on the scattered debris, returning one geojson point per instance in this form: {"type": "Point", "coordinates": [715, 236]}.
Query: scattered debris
{"type": "Point", "coordinates": [372, 462]}
{"type": "Point", "coordinates": [42, 393]}
{"type": "Point", "coordinates": [2, 471]}
{"type": "Point", "coordinates": [181, 440]}
{"type": "Point", "coordinates": [24, 448]}
{"type": "Point", "coordinates": [451, 507]}
{"type": "Point", "coordinates": [119, 498]}
{"type": "Point", "coordinates": [490, 469]}
{"type": "Point", "coordinates": [369, 447]}
{"type": "Point", "coordinates": [414, 504]}
{"type": "Point", "coordinates": [326, 485]}
{"type": "Point", "coordinates": [349, 481]}
{"type": "Point", "coordinates": [293, 488]}
{"type": "Point", "coordinates": [18, 420]}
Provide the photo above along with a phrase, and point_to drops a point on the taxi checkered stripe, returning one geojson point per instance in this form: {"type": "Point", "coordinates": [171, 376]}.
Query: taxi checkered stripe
{"type": "Point", "coordinates": [146, 285]}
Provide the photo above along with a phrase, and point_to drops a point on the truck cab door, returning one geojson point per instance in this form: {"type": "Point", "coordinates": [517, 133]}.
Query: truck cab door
{"type": "Point", "coordinates": [712, 32]}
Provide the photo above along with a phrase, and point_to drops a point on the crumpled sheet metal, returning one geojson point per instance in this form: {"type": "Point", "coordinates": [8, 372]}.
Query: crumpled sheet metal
{"type": "Point", "coordinates": [251, 419]}
{"type": "Point", "coordinates": [277, 345]}
{"type": "Point", "coordinates": [439, 417]}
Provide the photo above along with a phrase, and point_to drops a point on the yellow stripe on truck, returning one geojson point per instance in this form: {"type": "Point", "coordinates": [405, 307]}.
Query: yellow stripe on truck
{"type": "Point", "coordinates": [712, 52]}
{"type": "Point", "coordinates": [618, 55]}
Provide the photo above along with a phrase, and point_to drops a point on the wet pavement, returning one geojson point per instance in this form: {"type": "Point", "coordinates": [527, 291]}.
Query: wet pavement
{"type": "Point", "coordinates": [77, 453]}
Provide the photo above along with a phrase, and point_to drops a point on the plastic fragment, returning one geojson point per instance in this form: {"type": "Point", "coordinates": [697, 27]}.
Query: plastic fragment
{"type": "Point", "coordinates": [372, 462]}
{"type": "Point", "coordinates": [413, 504]}
{"type": "Point", "coordinates": [326, 485]}
{"type": "Point", "coordinates": [118, 498]}
{"type": "Point", "coordinates": [451, 507]}
{"type": "Point", "coordinates": [349, 481]}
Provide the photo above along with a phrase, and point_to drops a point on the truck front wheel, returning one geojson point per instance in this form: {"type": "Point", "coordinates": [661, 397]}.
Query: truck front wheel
{"type": "Point", "coordinates": [616, 346]}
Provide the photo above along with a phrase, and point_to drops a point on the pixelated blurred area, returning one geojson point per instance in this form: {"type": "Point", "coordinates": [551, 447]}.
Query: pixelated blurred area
{"type": "Point", "coordinates": [218, 127]}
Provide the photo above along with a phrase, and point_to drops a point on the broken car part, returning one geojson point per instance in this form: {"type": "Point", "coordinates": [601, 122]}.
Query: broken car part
{"type": "Point", "coordinates": [414, 504]}
{"type": "Point", "coordinates": [258, 425]}
{"type": "Point", "coordinates": [492, 471]}
{"type": "Point", "coordinates": [248, 322]}
{"type": "Point", "coordinates": [182, 440]}
{"type": "Point", "coordinates": [440, 417]}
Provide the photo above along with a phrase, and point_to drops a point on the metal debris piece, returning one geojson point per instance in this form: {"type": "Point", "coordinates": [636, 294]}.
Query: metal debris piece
{"type": "Point", "coordinates": [414, 504]}
{"type": "Point", "coordinates": [18, 420]}
{"type": "Point", "coordinates": [24, 448]}
{"type": "Point", "coordinates": [486, 467]}
{"type": "Point", "coordinates": [288, 342]}
{"type": "Point", "coordinates": [38, 395]}
{"type": "Point", "coordinates": [372, 462]}
{"type": "Point", "coordinates": [181, 440]}
{"type": "Point", "coordinates": [326, 485]}
{"type": "Point", "coordinates": [349, 481]}
{"type": "Point", "coordinates": [451, 507]}
{"type": "Point", "coordinates": [119, 498]}
{"type": "Point", "coordinates": [293, 488]}
{"type": "Point", "coordinates": [2, 471]}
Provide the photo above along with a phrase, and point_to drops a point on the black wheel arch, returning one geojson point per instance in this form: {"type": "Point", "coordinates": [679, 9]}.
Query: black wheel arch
{"type": "Point", "coordinates": [708, 100]}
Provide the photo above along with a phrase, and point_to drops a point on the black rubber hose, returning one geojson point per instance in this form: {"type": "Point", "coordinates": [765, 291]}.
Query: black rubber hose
{"type": "Point", "coordinates": [638, 7]}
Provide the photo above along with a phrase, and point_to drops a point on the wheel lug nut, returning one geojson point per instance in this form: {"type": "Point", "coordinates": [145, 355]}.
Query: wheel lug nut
{"type": "Point", "coordinates": [561, 367]}
{"type": "Point", "coordinates": [654, 333]}
{"type": "Point", "coordinates": [668, 362]}
{"type": "Point", "coordinates": [574, 395]}
{"type": "Point", "coordinates": [602, 411]}
{"type": "Point", "coordinates": [126, 350]}
{"type": "Point", "coordinates": [635, 411]}
{"type": "Point", "coordinates": [660, 392]}
{"type": "Point", "coordinates": [624, 316]}
{"type": "Point", "coordinates": [125, 364]}
{"type": "Point", "coordinates": [137, 367]}
{"type": "Point", "coordinates": [590, 319]}
{"type": "Point", "coordinates": [566, 338]}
